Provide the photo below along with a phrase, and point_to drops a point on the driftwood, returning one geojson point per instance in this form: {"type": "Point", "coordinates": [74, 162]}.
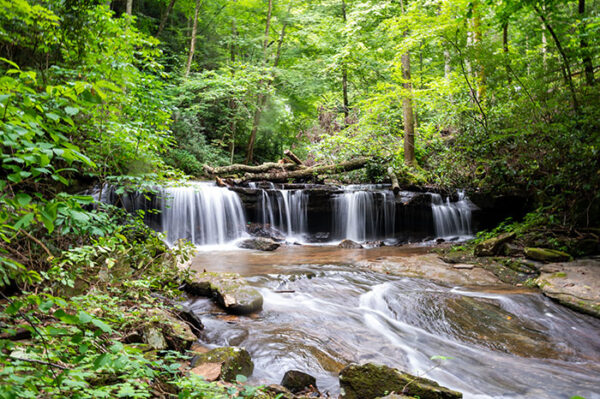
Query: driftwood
{"type": "Point", "coordinates": [293, 157]}
{"type": "Point", "coordinates": [307, 172]}
{"type": "Point", "coordinates": [394, 179]}
{"type": "Point", "coordinates": [240, 168]}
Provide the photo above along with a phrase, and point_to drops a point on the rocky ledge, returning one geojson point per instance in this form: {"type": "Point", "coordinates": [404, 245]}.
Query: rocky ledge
{"type": "Point", "coordinates": [574, 284]}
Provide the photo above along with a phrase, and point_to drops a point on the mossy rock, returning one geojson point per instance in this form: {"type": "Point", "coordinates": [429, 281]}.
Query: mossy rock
{"type": "Point", "coordinates": [547, 255]}
{"type": "Point", "coordinates": [259, 244]}
{"type": "Point", "coordinates": [297, 381]}
{"type": "Point", "coordinates": [371, 381]}
{"type": "Point", "coordinates": [234, 361]}
{"type": "Point", "coordinates": [493, 246]}
{"type": "Point", "coordinates": [229, 290]}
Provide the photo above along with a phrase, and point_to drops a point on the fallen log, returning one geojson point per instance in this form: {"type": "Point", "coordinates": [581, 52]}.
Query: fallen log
{"type": "Point", "coordinates": [293, 157]}
{"type": "Point", "coordinates": [307, 172]}
{"type": "Point", "coordinates": [240, 168]}
{"type": "Point", "coordinates": [394, 179]}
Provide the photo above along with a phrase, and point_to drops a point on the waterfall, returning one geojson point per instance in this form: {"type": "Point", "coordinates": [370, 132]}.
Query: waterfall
{"type": "Point", "coordinates": [362, 214]}
{"type": "Point", "coordinates": [451, 218]}
{"type": "Point", "coordinates": [284, 210]}
{"type": "Point", "coordinates": [202, 213]}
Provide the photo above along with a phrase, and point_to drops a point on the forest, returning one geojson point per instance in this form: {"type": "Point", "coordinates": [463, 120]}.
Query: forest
{"type": "Point", "coordinates": [500, 98]}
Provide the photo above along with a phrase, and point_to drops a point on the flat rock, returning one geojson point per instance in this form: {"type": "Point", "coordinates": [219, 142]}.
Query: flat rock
{"type": "Point", "coordinates": [208, 371]}
{"type": "Point", "coordinates": [259, 243]}
{"type": "Point", "coordinates": [574, 284]}
{"type": "Point", "coordinates": [371, 381]}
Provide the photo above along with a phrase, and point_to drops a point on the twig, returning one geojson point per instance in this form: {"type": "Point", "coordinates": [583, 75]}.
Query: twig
{"type": "Point", "coordinates": [58, 366]}
{"type": "Point", "coordinates": [41, 244]}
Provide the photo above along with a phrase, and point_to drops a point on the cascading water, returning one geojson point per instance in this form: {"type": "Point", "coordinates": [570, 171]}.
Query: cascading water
{"type": "Point", "coordinates": [451, 218]}
{"type": "Point", "coordinates": [364, 213]}
{"type": "Point", "coordinates": [202, 213]}
{"type": "Point", "coordinates": [284, 210]}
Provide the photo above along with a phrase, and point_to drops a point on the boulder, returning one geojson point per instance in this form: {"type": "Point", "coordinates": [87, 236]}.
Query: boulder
{"type": "Point", "coordinates": [371, 381]}
{"type": "Point", "coordinates": [493, 246]}
{"type": "Point", "coordinates": [223, 363]}
{"type": "Point", "coordinates": [547, 255]}
{"type": "Point", "coordinates": [229, 290]}
{"type": "Point", "coordinates": [264, 231]}
{"type": "Point", "coordinates": [259, 243]}
{"type": "Point", "coordinates": [278, 391]}
{"type": "Point", "coordinates": [164, 331]}
{"type": "Point", "coordinates": [297, 381]}
{"type": "Point", "coordinates": [349, 244]}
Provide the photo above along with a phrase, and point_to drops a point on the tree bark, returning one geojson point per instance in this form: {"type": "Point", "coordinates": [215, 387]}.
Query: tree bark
{"type": "Point", "coordinates": [293, 157]}
{"type": "Point", "coordinates": [394, 180]}
{"type": "Point", "coordinates": [163, 21]}
{"type": "Point", "coordinates": [188, 65]}
{"type": "Point", "coordinates": [585, 55]}
{"type": "Point", "coordinates": [232, 103]}
{"type": "Point", "coordinates": [129, 7]}
{"type": "Point", "coordinates": [505, 49]}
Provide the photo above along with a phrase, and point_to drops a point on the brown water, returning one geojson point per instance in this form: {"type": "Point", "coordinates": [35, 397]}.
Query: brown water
{"type": "Point", "coordinates": [504, 343]}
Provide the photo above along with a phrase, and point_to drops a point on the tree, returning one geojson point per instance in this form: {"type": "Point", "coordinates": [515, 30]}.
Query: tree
{"type": "Point", "coordinates": [190, 58]}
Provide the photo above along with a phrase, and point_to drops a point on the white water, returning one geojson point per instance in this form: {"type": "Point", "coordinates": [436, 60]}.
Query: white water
{"type": "Point", "coordinates": [362, 214]}
{"type": "Point", "coordinates": [451, 218]}
{"type": "Point", "coordinates": [286, 211]}
{"type": "Point", "coordinates": [203, 214]}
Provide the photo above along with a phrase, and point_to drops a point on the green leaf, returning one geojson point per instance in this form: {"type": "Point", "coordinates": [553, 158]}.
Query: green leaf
{"type": "Point", "coordinates": [240, 378]}
{"type": "Point", "coordinates": [84, 317]}
{"type": "Point", "coordinates": [71, 111]}
{"type": "Point", "coordinates": [52, 116]}
{"type": "Point", "coordinates": [102, 325]}
{"type": "Point", "coordinates": [25, 221]}
{"type": "Point", "coordinates": [101, 361]}
{"type": "Point", "coordinates": [23, 199]}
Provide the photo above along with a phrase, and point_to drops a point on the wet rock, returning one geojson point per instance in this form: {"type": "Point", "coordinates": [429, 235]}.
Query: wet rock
{"type": "Point", "coordinates": [574, 284]}
{"type": "Point", "coordinates": [297, 381]}
{"type": "Point", "coordinates": [493, 246]}
{"type": "Point", "coordinates": [224, 363]}
{"type": "Point", "coordinates": [370, 381]}
{"type": "Point", "coordinates": [229, 290]}
{"type": "Point", "coordinates": [547, 255]}
{"type": "Point", "coordinates": [349, 244]}
{"type": "Point", "coordinates": [264, 231]}
{"type": "Point", "coordinates": [259, 243]}
{"type": "Point", "coordinates": [187, 315]}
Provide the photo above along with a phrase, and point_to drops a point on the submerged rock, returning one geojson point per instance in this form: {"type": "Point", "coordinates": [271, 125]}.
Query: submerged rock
{"type": "Point", "coordinates": [349, 244]}
{"type": "Point", "coordinates": [229, 290]}
{"type": "Point", "coordinates": [259, 243]}
{"type": "Point", "coordinates": [223, 364]}
{"type": "Point", "coordinates": [493, 246]}
{"type": "Point", "coordinates": [297, 381]}
{"type": "Point", "coordinates": [547, 255]}
{"type": "Point", "coordinates": [371, 381]}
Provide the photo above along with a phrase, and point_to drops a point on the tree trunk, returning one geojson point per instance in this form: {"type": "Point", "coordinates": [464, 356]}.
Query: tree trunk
{"type": "Point", "coordinates": [232, 104]}
{"type": "Point", "coordinates": [188, 65]}
{"type": "Point", "coordinates": [163, 21]}
{"type": "Point", "coordinates": [407, 111]}
{"type": "Point", "coordinates": [394, 180]}
{"type": "Point", "coordinates": [477, 38]}
{"type": "Point", "coordinates": [306, 173]}
{"type": "Point", "coordinates": [293, 157]}
{"type": "Point", "coordinates": [345, 75]}
{"type": "Point", "coordinates": [241, 168]}
{"type": "Point", "coordinates": [585, 55]}
{"type": "Point", "coordinates": [566, 69]}
{"type": "Point", "coordinates": [129, 7]}
{"type": "Point", "coordinates": [505, 49]}
{"type": "Point", "coordinates": [447, 67]}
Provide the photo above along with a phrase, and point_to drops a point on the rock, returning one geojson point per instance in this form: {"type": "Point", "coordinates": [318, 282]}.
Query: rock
{"type": "Point", "coordinates": [227, 362]}
{"type": "Point", "coordinates": [395, 396]}
{"type": "Point", "coordinates": [493, 246]}
{"type": "Point", "coordinates": [574, 284]}
{"type": "Point", "coordinates": [547, 255]}
{"type": "Point", "coordinates": [370, 381]}
{"type": "Point", "coordinates": [349, 244]}
{"type": "Point", "coordinates": [208, 371]}
{"type": "Point", "coordinates": [512, 250]}
{"type": "Point", "coordinates": [187, 315]}
{"type": "Point", "coordinates": [297, 381]}
{"type": "Point", "coordinates": [155, 339]}
{"type": "Point", "coordinates": [264, 231]}
{"type": "Point", "coordinates": [229, 290]}
{"type": "Point", "coordinates": [259, 243]}
{"type": "Point", "coordinates": [279, 390]}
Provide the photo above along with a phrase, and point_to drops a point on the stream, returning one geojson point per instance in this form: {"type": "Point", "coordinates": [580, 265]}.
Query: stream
{"type": "Point", "coordinates": [501, 342]}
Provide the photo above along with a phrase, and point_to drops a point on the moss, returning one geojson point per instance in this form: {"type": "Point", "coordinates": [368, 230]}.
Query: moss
{"type": "Point", "coordinates": [234, 361]}
{"type": "Point", "coordinates": [546, 255]}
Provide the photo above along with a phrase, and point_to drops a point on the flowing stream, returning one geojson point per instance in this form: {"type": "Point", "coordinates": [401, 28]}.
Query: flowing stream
{"type": "Point", "coordinates": [503, 342]}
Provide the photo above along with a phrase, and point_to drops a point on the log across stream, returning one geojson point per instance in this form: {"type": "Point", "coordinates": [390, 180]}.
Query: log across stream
{"type": "Point", "coordinates": [324, 309]}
